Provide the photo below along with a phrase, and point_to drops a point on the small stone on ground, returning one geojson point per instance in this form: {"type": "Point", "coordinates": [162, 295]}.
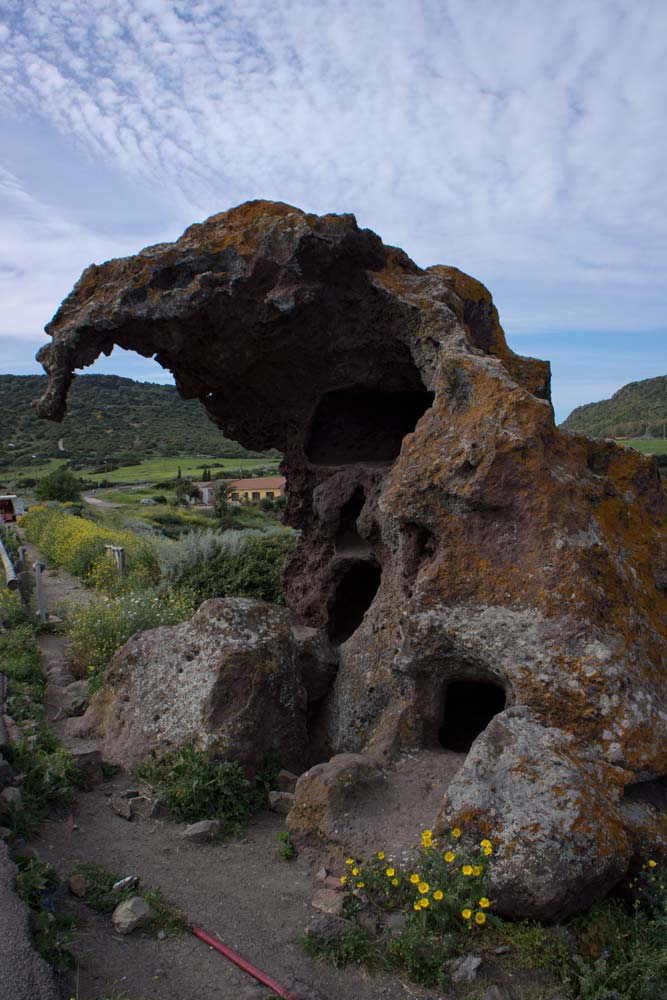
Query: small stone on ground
{"type": "Point", "coordinates": [131, 914]}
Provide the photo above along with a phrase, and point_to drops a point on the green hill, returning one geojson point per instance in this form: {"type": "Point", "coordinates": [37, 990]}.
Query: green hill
{"type": "Point", "coordinates": [639, 409]}
{"type": "Point", "coordinates": [108, 419]}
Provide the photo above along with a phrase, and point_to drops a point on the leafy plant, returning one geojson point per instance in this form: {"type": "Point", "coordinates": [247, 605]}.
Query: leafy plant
{"type": "Point", "coordinates": [38, 885]}
{"type": "Point", "coordinates": [97, 630]}
{"type": "Point", "coordinates": [286, 849]}
{"type": "Point", "coordinates": [194, 786]}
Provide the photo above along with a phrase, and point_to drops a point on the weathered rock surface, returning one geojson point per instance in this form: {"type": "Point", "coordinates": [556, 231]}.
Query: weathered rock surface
{"type": "Point", "coordinates": [564, 838]}
{"type": "Point", "coordinates": [461, 554]}
{"type": "Point", "coordinates": [281, 802]}
{"type": "Point", "coordinates": [227, 679]}
{"type": "Point", "coordinates": [202, 832]}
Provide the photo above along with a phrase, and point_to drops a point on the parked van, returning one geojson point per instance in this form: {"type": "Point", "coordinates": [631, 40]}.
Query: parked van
{"type": "Point", "coordinates": [11, 507]}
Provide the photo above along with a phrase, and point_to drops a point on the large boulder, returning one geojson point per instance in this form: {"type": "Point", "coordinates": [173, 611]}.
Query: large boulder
{"type": "Point", "coordinates": [228, 679]}
{"type": "Point", "coordinates": [564, 842]}
{"type": "Point", "coordinates": [462, 554]}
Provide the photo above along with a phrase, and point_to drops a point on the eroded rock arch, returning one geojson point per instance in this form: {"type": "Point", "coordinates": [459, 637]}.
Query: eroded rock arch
{"type": "Point", "coordinates": [422, 463]}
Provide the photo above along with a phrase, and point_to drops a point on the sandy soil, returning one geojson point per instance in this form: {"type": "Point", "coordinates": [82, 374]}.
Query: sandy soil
{"type": "Point", "coordinates": [239, 890]}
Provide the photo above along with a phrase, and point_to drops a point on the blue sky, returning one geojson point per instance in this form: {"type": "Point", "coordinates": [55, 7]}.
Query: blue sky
{"type": "Point", "coordinates": [522, 142]}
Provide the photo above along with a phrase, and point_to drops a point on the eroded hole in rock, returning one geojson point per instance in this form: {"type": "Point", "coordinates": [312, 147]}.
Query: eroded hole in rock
{"type": "Point", "coordinates": [347, 536]}
{"type": "Point", "coordinates": [319, 747]}
{"type": "Point", "coordinates": [469, 706]}
{"type": "Point", "coordinates": [653, 792]}
{"type": "Point", "coordinates": [419, 546]}
{"type": "Point", "coordinates": [360, 425]}
{"type": "Point", "coordinates": [354, 596]}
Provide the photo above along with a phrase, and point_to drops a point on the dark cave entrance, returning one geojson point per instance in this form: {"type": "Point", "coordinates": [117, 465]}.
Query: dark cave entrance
{"type": "Point", "coordinates": [354, 596]}
{"type": "Point", "coordinates": [363, 425]}
{"type": "Point", "coordinates": [469, 706]}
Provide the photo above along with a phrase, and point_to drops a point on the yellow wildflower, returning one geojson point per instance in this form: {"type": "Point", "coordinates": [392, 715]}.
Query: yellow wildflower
{"type": "Point", "coordinates": [423, 887]}
{"type": "Point", "coordinates": [343, 879]}
{"type": "Point", "coordinates": [480, 918]}
{"type": "Point", "coordinates": [414, 879]}
{"type": "Point", "coordinates": [438, 894]}
{"type": "Point", "coordinates": [488, 851]}
{"type": "Point", "coordinates": [477, 870]}
{"type": "Point", "coordinates": [652, 864]}
{"type": "Point", "coordinates": [466, 914]}
{"type": "Point", "coordinates": [355, 871]}
{"type": "Point", "coordinates": [390, 873]}
{"type": "Point", "coordinates": [428, 834]}
{"type": "Point", "coordinates": [484, 903]}
{"type": "Point", "coordinates": [394, 881]}
{"type": "Point", "coordinates": [381, 855]}
{"type": "Point", "coordinates": [485, 843]}
{"type": "Point", "coordinates": [416, 906]}
{"type": "Point", "coordinates": [456, 832]}
{"type": "Point", "coordinates": [360, 885]}
{"type": "Point", "coordinates": [449, 856]}
{"type": "Point", "coordinates": [423, 903]}
{"type": "Point", "coordinates": [349, 861]}
{"type": "Point", "coordinates": [467, 869]}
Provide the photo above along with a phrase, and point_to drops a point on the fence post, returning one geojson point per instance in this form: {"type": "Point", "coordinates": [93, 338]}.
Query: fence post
{"type": "Point", "coordinates": [42, 613]}
{"type": "Point", "coordinates": [118, 556]}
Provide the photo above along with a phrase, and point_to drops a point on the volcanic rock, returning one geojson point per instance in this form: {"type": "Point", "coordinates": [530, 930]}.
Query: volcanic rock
{"type": "Point", "coordinates": [202, 832]}
{"type": "Point", "coordinates": [459, 555]}
{"type": "Point", "coordinates": [227, 679]}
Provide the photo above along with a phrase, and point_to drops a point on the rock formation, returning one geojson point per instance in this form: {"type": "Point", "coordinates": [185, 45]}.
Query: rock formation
{"type": "Point", "coordinates": [485, 579]}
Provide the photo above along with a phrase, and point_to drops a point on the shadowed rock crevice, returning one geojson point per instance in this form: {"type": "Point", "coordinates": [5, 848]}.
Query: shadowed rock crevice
{"type": "Point", "coordinates": [352, 598]}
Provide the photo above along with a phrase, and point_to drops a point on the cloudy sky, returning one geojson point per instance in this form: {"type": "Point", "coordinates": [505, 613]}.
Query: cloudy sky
{"type": "Point", "coordinates": [521, 141]}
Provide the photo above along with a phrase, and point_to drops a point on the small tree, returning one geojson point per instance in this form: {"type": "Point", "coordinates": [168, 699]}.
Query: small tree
{"type": "Point", "coordinates": [59, 485]}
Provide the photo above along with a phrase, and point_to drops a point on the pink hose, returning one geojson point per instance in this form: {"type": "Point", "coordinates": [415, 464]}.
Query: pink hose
{"type": "Point", "coordinates": [242, 963]}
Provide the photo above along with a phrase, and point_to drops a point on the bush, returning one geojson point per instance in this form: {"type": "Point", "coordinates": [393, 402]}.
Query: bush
{"type": "Point", "coordinates": [59, 485]}
{"type": "Point", "coordinates": [97, 630]}
{"type": "Point", "coordinates": [194, 786]}
{"type": "Point", "coordinates": [78, 544]}
{"type": "Point", "coordinates": [247, 566]}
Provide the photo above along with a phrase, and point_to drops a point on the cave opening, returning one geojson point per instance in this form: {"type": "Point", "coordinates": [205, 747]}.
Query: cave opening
{"type": "Point", "coordinates": [469, 706]}
{"type": "Point", "coordinates": [363, 425]}
{"type": "Point", "coordinates": [354, 595]}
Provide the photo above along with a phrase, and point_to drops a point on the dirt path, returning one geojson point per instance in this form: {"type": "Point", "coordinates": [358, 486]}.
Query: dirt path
{"type": "Point", "coordinates": [102, 504]}
{"type": "Point", "coordinates": [239, 890]}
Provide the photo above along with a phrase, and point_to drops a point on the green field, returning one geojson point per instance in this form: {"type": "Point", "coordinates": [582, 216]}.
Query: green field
{"type": "Point", "coordinates": [156, 469]}
{"type": "Point", "coordinates": [647, 446]}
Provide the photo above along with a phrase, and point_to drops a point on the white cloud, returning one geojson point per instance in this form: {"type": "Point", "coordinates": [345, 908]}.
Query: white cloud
{"type": "Point", "coordinates": [521, 141]}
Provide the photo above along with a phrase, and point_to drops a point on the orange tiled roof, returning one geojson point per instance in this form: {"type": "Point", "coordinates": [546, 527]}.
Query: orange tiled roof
{"type": "Point", "coordinates": [268, 483]}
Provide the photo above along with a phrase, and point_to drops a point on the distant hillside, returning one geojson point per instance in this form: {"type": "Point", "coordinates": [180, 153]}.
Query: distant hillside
{"type": "Point", "coordinates": [107, 417]}
{"type": "Point", "coordinates": [638, 409]}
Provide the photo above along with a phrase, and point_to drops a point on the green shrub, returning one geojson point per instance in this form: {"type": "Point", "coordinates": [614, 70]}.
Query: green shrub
{"type": "Point", "coordinates": [195, 786]}
{"type": "Point", "coordinates": [253, 570]}
{"type": "Point", "coordinates": [98, 629]}
{"type": "Point", "coordinates": [59, 485]}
